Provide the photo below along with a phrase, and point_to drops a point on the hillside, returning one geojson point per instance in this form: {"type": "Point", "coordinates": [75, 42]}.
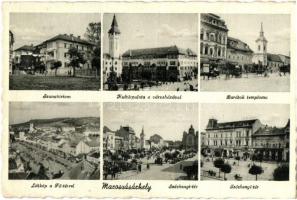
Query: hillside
{"type": "Point", "coordinates": [60, 122]}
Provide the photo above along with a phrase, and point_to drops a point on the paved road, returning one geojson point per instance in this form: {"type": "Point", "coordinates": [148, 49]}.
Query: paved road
{"type": "Point", "coordinates": [252, 83]}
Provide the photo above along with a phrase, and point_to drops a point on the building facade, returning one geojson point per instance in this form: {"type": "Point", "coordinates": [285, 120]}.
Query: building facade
{"type": "Point", "coordinates": [230, 138]}
{"type": "Point", "coordinates": [274, 62]}
{"type": "Point", "coordinates": [159, 64]}
{"type": "Point", "coordinates": [246, 138]}
{"type": "Point", "coordinates": [56, 49]}
{"type": "Point", "coordinates": [213, 41]}
{"type": "Point", "coordinates": [239, 53]}
{"type": "Point", "coordinates": [272, 143]}
{"type": "Point", "coordinates": [11, 42]}
{"type": "Point", "coordinates": [26, 50]}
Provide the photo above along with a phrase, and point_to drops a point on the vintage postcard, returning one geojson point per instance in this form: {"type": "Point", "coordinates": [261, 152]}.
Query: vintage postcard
{"type": "Point", "coordinates": [149, 100]}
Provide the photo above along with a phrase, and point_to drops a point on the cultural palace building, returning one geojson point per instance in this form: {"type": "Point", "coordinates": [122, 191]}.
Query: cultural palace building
{"type": "Point", "coordinates": [246, 138]}
{"type": "Point", "coordinates": [219, 50]}
{"type": "Point", "coordinates": [170, 63]}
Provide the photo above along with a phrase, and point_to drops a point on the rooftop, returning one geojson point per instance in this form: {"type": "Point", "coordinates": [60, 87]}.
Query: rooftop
{"type": "Point", "coordinates": [69, 38]}
{"type": "Point", "coordinates": [159, 52]}
{"type": "Point", "coordinates": [236, 44]}
{"type": "Point", "coordinates": [114, 28]}
{"type": "Point", "coordinates": [269, 131]}
{"type": "Point", "coordinates": [232, 124]}
{"type": "Point", "coordinates": [26, 48]}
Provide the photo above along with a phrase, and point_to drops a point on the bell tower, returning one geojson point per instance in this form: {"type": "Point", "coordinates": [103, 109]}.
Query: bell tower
{"type": "Point", "coordinates": [114, 39]}
{"type": "Point", "coordinates": [261, 49]}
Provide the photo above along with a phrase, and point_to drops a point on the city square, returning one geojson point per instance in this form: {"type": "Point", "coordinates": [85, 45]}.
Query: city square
{"type": "Point", "coordinates": [248, 58]}
{"type": "Point", "coordinates": [168, 154]}
{"type": "Point", "coordinates": [250, 144]}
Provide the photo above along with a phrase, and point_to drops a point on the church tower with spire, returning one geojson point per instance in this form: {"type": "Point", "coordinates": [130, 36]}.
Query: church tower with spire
{"type": "Point", "coordinates": [260, 55]}
{"type": "Point", "coordinates": [142, 139]}
{"type": "Point", "coordinates": [114, 39]}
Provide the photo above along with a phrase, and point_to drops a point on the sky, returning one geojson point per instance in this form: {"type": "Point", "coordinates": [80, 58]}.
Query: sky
{"type": "Point", "coordinates": [20, 112]}
{"type": "Point", "coordinates": [34, 28]}
{"type": "Point", "coordinates": [153, 30]}
{"type": "Point", "coordinates": [270, 114]}
{"type": "Point", "coordinates": [169, 120]}
{"type": "Point", "coordinates": [246, 27]}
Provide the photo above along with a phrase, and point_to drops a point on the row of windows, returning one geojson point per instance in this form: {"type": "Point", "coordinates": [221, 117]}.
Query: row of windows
{"type": "Point", "coordinates": [106, 62]}
{"type": "Point", "coordinates": [110, 69]}
{"type": "Point", "coordinates": [206, 50]}
{"type": "Point", "coordinates": [186, 68]}
{"type": "Point", "coordinates": [79, 47]}
{"type": "Point", "coordinates": [225, 142]}
{"type": "Point", "coordinates": [241, 57]}
{"type": "Point", "coordinates": [230, 134]}
{"type": "Point", "coordinates": [214, 37]}
{"type": "Point", "coordinates": [274, 145]}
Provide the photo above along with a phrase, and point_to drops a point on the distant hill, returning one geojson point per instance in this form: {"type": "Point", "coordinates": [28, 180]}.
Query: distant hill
{"type": "Point", "coordinates": [60, 122]}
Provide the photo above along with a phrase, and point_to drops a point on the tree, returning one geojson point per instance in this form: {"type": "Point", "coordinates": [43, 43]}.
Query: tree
{"type": "Point", "coordinates": [96, 61]}
{"type": "Point", "coordinates": [226, 168]}
{"type": "Point", "coordinates": [76, 58]}
{"type": "Point", "coordinates": [237, 158]}
{"type": "Point", "coordinates": [218, 164]}
{"type": "Point", "coordinates": [281, 173]}
{"type": "Point", "coordinates": [255, 170]}
{"type": "Point", "coordinates": [93, 33]}
{"type": "Point", "coordinates": [56, 65]}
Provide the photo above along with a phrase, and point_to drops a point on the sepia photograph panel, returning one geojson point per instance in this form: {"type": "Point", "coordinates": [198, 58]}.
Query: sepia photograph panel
{"type": "Point", "coordinates": [150, 141]}
{"type": "Point", "coordinates": [54, 141]}
{"type": "Point", "coordinates": [245, 142]}
{"type": "Point", "coordinates": [245, 52]}
{"type": "Point", "coordinates": [150, 52]}
{"type": "Point", "coordinates": [54, 51]}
